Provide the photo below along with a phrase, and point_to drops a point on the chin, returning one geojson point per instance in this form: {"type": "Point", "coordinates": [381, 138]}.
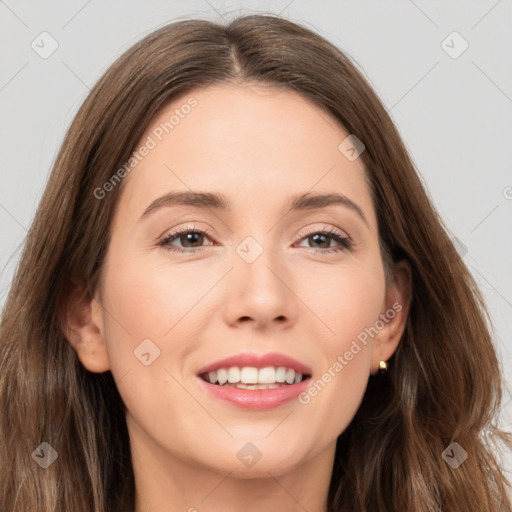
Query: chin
{"type": "Point", "coordinates": [248, 461]}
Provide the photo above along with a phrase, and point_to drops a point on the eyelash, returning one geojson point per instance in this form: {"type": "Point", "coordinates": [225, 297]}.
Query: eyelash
{"type": "Point", "coordinates": [345, 242]}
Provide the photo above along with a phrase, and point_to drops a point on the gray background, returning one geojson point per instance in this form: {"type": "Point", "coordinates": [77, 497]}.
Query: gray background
{"type": "Point", "coordinates": [454, 114]}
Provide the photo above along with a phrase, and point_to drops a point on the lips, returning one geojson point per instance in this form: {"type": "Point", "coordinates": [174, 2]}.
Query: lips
{"type": "Point", "coordinates": [255, 381]}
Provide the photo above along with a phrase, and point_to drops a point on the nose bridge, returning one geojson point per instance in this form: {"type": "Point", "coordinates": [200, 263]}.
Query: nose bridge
{"type": "Point", "coordinates": [259, 278]}
{"type": "Point", "coordinates": [259, 261]}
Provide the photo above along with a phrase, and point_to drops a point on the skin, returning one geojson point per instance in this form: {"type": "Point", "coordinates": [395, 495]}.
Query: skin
{"type": "Point", "coordinates": [257, 146]}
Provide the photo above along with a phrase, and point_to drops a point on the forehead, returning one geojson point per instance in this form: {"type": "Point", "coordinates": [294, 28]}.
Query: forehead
{"type": "Point", "coordinates": [247, 142]}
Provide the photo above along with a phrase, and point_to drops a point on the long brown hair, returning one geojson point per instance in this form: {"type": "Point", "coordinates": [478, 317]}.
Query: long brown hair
{"type": "Point", "coordinates": [443, 384]}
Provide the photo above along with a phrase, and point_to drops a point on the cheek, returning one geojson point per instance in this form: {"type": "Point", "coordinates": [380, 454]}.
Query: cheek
{"type": "Point", "coordinates": [358, 302]}
{"type": "Point", "coordinates": [150, 301]}
{"type": "Point", "coordinates": [348, 305]}
{"type": "Point", "coordinates": [156, 307]}
{"type": "Point", "coordinates": [151, 326]}
{"type": "Point", "coordinates": [345, 298]}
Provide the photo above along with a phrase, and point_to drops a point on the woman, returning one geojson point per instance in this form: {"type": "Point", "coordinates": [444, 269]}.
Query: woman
{"type": "Point", "coordinates": [174, 340]}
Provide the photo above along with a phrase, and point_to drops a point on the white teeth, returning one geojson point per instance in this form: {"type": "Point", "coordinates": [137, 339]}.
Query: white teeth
{"type": "Point", "coordinates": [234, 375]}
{"type": "Point", "coordinates": [267, 375]}
{"type": "Point", "coordinates": [222, 376]}
{"type": "Point", "coordinates": [250, 377]}
{"type": "Point", "coordinates": [281, 374]}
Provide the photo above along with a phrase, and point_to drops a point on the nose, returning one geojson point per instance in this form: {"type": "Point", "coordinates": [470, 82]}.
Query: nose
{"type": "Point", "coordinates": [260, 293]}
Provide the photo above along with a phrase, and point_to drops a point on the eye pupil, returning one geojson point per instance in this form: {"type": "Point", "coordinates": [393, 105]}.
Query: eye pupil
{"type": "Point", "coordinates": [322, 236]}
{"type": "Point", "coordinates": [191, 237]}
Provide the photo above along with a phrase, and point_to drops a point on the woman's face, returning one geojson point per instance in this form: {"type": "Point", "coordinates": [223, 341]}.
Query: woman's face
{"type": "Point", "coordinates": [278, 274]}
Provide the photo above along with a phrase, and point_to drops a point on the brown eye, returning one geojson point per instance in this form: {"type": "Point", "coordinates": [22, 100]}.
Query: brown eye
{"type": "Point", "coordinates": [324, 239]}
{"type": "Point", "coordinates": [190, 240]}
{"type": "Point", "coordinates": [321, 238]}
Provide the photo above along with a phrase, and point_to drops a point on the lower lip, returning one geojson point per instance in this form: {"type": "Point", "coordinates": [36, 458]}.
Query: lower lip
{"type": "Point", "coordinates": [256, 399]}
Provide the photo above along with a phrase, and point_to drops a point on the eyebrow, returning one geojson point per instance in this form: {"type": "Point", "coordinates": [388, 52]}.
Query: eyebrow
{"type": "Point", "coordinates": [216, 201]}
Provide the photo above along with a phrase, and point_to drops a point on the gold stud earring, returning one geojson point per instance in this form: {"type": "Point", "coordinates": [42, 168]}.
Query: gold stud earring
{"type": "Point", "coordinates": [383, 366]}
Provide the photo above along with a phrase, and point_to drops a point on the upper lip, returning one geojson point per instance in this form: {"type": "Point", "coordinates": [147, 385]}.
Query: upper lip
{"type": "Point", "coordinates": [257, 361]}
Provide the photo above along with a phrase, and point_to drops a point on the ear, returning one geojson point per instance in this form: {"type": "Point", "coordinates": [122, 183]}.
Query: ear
{"type": "Point", "coordinates": [394, 315]}
{"type": "Point", "coordinates": [82, 325]}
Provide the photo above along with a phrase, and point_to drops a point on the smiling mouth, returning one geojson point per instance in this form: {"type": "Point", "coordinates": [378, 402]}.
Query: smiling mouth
{"type": "Point", "coordinates": [250, 377]}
